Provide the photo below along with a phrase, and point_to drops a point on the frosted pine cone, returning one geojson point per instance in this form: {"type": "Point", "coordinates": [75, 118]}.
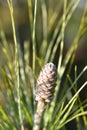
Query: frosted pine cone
{"type": "Point", "coordinates": [46, 83]}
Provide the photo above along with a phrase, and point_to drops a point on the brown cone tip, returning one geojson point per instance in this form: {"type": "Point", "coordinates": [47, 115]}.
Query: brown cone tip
{"type": "Point", "coordinates": [46, 82]}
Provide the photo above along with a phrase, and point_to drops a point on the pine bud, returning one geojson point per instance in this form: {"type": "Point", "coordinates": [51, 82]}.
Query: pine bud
{"type": "Point", "coordinates": [45, 87]}
{"type": "Point", "coordinates": [46, 83]}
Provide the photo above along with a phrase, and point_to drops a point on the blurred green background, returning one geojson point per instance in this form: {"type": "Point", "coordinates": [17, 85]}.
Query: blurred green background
{"type": "Point", "coordinates": [21, 15]}
{"type": "Point", "coordinates": [23, 31]}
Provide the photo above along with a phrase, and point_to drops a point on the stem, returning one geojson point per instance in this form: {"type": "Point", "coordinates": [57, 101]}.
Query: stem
{"type": "Point", "coordinates": [16, 63]}
{"type": "Point", "coordinates": [34, 47]}
{"type": "Point", "coordinates": [33, 36]}
{"type": "Point", "coordinates": [62, 37]}
{"type": "Point", "coordinates": [38, 115]}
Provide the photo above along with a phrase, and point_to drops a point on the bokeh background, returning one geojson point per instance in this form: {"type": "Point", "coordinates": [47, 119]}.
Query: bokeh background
{"type": "Point", "coordinates": [23, 31]}
{"type": "Point", "coordinates": [23, 28]}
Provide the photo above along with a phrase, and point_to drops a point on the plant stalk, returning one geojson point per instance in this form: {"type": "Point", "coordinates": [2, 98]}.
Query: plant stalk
{"type": "Point", "coordinates": [38, 115]}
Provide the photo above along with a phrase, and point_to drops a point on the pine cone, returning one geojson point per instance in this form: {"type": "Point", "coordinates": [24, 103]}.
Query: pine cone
{"type": "Point", "coordinates": [46, 83]}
